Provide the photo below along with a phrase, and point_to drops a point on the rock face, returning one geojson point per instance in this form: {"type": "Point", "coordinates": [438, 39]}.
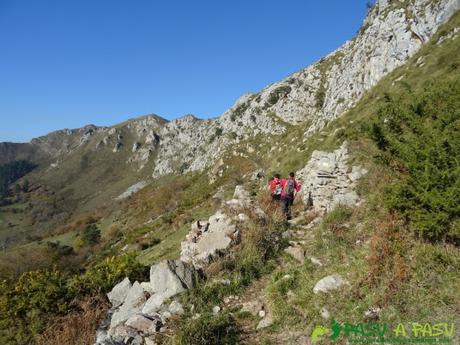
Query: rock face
{"type": "Point", "coordinates": [392, 32]}
{"type": "Point", "coordinates": [390, 35]}
{"type": "Point", "coordinates": [327, 181]}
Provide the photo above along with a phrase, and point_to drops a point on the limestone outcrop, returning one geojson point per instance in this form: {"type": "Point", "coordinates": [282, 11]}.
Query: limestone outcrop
{"type": "Point", "coordinates": [138, 310]}
{"type": "Point", "coordinates": [209, 239]}
{"type": "Point", "coordinates": [327, 180]}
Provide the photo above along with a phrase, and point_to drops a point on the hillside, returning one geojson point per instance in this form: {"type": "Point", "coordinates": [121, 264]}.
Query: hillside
{"type": "Point", "coordinates": [371, 131]}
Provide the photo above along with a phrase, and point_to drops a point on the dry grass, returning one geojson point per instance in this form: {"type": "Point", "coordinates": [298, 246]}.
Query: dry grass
{"type": "Point", "coordinates": [388, 256]}
{"type": "Point", "coordinates": [78, 327]}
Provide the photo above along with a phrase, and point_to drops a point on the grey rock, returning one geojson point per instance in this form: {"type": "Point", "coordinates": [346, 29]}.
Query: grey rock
{"type": "Point", "coordinates": [131, 190]}
{"type": "Point", "coordinates": [154, 303]}
{"type": "Point", "coordinates": [133, 304]}
{"type": "Point", "coordinates": [170, 276]}
{"type": "Point", "coordinates": [329, 283]}
{"type": "Point", "coordinates": [145, 325]}
{"type": "Point", "coordinates": [167, 279]}
{"type": "Point", "coordinates": [202, 247]}
{"type": "Point", "coordinates": [176, 308]}
{"type": "Point", "coordinates": [118, 294]}
{"type": "Point", "coordinates": [296, 252]}
{"type": "Point", "coordinates": [325, 313]}
{"type": "Point", "coordinates": [373, 313]}
{"type": "Point", "coordinates": [265, 322]}
{"type": "Point", "coordinates": [316, 261]}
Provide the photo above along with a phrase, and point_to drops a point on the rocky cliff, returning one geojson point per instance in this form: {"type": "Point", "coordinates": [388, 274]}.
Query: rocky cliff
{"type": "Point", "coordinates": [392, 32]}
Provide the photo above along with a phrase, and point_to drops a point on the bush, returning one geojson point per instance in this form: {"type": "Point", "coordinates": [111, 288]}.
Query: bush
{"type": "Point", "coordinates": [27, 305]}
{"type": "Point", "coordinates": [320, 97]}
{"type": "Point", "coordinates": [106, 274]}
{"type": "Point", "coordinates": [278, 93]}
{"type": "Point", "coordinates": [91, 235]}
{"type": "Point", "coordinates": [419, 132]}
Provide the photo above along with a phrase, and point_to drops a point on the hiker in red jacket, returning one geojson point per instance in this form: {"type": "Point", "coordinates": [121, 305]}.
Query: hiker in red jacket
{"type": "Point", "coordinates": [289, 188]}
{"type": "Point", "coordinates": [274, 185]}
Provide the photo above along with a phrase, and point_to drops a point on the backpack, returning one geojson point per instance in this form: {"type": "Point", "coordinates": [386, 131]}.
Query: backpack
{"type": "Point", "coordinates": [278, 189]}
{"type": "Point", "coordinates": [289, 187]}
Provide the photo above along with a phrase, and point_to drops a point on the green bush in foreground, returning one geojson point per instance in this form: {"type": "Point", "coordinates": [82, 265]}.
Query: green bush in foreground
{"type": "Point", "coordinates": [27, 304]}
{"type": "Point", "coordinates": [418, 134]}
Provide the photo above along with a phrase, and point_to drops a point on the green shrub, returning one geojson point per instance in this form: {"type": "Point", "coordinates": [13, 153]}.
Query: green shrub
{"type": "Point", "coordinates": [320, 97]}
{"type": "Point", "coordinates": [106, 274]}
{"type": "Point", "coordinates": [208, 329]}
{"type": "Point", "coordinates": [278, 93]}
{"type": "Point", "coordinates": [218, 132]}
{"type": "Point", "coordinates": [419, 133]}
{"type": "Point", "coordinates": [91, 235]}
{"type": "Point", "coordinates": [27, 304]}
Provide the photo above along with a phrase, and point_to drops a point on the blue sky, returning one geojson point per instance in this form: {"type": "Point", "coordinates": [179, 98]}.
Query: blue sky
{"type": "Point", "coordinates": [67, 63]}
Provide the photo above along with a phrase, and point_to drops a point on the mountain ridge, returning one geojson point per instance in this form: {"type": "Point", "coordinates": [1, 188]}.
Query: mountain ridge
{"type": "Point", "coordinates": [391, 33]}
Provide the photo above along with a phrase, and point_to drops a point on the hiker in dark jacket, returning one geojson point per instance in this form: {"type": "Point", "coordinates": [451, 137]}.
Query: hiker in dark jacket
{"type": "Point", "coordinates": [289, 189]}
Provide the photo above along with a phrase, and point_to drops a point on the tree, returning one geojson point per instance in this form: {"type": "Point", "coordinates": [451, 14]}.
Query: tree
{"type": "Point", "coordinates": [91, 235]}
{"type": "Point", "coordinates": [26, 186]}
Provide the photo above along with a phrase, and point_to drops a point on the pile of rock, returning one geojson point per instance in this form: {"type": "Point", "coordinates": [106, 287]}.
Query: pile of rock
{"type": "Point", "coordinates": [327, 180]}
{"type": "Point", "coordinates": [139, 310]}
{"type": "Point", "coordinates": [212, 238]}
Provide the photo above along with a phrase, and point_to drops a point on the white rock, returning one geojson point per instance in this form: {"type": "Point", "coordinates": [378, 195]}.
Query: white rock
{"type": "Point", "coordinates": [176, 308]}
{"type": "Point", "coordinates": [329, 283]}
{"type": "Point", "coordinates": [216, 309]}
{"type": "Point", "coordinates": [154, 304]}
{"type": "Point", "coordinates": [316, 261]}
{"type": "Point", "coordinates": [265, 322]}
{"type": "Point", "coordinates": [133, 304]}
{"type": "Point", "coordinates": [149, 341]}
{"type": "Point", "coordinates": [373, 313]}
{"type": "Point", "coordinates": [297, 253]}
{"type": "Point", "coordinates": [144, 324]}
{"type": "Point", "coordinates": [325, 313]}
{"type": "Point", "coordinates": [118, 294]}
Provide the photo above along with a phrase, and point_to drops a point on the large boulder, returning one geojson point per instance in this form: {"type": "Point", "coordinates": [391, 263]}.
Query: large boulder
{"type": "Point", "coordinates": [118, 294]}
{"type": "Point", "coordinates": [133, 304]}
{"type": "Point", "coordinates": [167, 279]}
